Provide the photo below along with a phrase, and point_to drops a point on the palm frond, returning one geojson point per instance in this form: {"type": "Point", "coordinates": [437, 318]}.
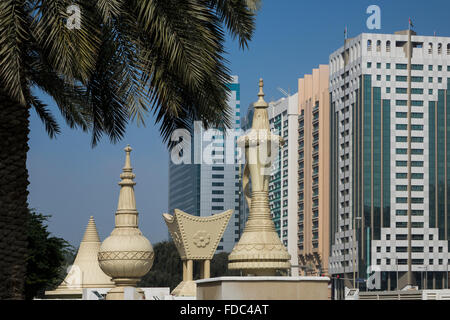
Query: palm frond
{"type": "Point", "coordinates": [69, 98]}
{"type": "Point", "coordinates": [13, 37]}
{"type": "Point", "coordinates": [109, 9]}
{"type": "Point", "coordinates": [51, 126]}
{"type": "Point", "coordinates": [238, 18]}
{"type": "Point", "coordinates": [71, 52]}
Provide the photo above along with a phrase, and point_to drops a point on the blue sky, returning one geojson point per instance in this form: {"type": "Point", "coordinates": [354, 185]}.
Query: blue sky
{"type": "Point", "coordinates": [71, 181]}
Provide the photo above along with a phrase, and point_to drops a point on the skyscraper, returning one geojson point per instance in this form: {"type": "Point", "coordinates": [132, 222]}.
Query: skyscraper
{"type": "Point", "coordinates": [283, 121]}
{"type": "Point", "coordinates": [211, 185]}
{"type": "Point", "coordinates": [390, 138]}
{"type": "Point", "coordinates": [313, 171]}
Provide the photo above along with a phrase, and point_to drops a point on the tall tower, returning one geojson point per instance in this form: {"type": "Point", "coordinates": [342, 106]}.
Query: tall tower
{"type": "Point", "coordinates": [389, 163]}
{"type": "Point", "coordinates": [210, 184]}
{"type": "Point", "coordinates": [283, 185]}
{"type": "Point", "coordinates": [314, 171]}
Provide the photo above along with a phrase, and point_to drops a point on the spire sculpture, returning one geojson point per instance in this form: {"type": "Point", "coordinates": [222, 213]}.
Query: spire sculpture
{"type": "Point", "coordinates": [85, 271]}
{"type": "Point", "coordinates": [259, 251]}
{"type": "Point", "coordinates": [126, 255]}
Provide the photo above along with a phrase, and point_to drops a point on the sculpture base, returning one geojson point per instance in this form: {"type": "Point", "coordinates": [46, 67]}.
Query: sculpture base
{"type": "Point", "coordinates": [118, 293]}
{"type": "Point", "coordinates": [64, 294]}
{"type": "Point", "coordinates": [185, 289]}
{"type": "Point", "coordinates": [263, 288]}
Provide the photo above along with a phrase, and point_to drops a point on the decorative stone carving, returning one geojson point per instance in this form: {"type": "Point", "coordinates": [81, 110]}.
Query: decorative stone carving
{"type": "Point", "coordinates": [259, 251]}
{"type": "Point", "coordinates": [196, 238]}
{"type": "Point", "coordinates": [126, 255]}
{"type": "Point", "coordinates": [201, 239]}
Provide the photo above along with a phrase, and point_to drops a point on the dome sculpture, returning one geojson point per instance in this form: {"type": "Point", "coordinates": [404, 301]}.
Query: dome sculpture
{"type": "Point", "coordinates": [85, 271]}
{"type": "Point", "coordinates": [126, 255]}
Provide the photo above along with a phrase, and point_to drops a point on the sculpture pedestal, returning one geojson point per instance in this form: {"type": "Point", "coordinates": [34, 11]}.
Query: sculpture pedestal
{"type": "Point", "coordinates": [185, 289]}
{"type": "Point", "coordinates": [263, 288]}
{"type": "Point", "coordinates": [125, 293]}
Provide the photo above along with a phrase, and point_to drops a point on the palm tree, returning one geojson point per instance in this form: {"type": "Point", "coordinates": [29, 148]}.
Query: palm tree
{"type": "Point", "coordinates": [128, 59]}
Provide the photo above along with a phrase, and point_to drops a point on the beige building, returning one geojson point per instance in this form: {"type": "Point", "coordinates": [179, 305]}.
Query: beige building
{"type": "Point", "coordinates": [314, 171]}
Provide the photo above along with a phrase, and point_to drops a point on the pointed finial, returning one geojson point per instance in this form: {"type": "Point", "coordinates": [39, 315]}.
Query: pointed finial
{"type": "Point", "coordinates": [127, 166]}
{"type": "Point", "coordinates": [260, 102]}
{"type": "Point", "coordinates": [91, 234]}
{"type": "Point", "coordinates": [127, 176]}
{"type": "Point", "coordinates": [261, 85]}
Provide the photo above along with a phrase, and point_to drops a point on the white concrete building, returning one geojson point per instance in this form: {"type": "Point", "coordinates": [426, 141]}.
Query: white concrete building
{"type": "Point", "coordinates": [390, 147]}
{"type": "Point", "coordinates": [283, 186]}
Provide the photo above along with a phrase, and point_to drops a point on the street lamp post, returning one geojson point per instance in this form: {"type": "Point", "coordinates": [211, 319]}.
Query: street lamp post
{"type": "Point", "coordinates": [354, 250]}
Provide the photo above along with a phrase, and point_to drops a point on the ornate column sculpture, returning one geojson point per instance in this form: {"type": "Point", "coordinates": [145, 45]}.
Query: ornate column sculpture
{"type": "Point", "coordinates": [196, 238]}
{"type": "Point", "coordinates": [259, 251]}
{"type": "Point", "coordinates": [126, 255]}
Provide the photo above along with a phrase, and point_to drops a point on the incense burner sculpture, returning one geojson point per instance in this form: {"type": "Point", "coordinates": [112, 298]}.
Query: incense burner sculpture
{"type": "Point", "coordinates": [126, 255]}
{"type": "Point", "coordinates": [259, 252]}
{"type": "Point", "coordinates": [196, 238]}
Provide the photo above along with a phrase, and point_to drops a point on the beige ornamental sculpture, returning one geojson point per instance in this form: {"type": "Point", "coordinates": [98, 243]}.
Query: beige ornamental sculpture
{"type": "Point", "coordinates": [259, 251]}
{"type": "Point", "coordinates": [85, 271]}
{"type": "Point", "coordinates": [196, 238]}
{"type": "Point", "coordinates": [126, 255]}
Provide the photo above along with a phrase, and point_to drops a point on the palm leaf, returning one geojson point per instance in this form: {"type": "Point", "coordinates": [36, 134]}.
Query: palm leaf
{"type": "Point", "coordinates": [51, 126]}
{"type": "Point", "coordinates": [13, 37]}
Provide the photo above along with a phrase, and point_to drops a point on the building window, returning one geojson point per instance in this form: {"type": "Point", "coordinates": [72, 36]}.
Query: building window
{"type": "Point", "coordinates": [401, 66]}
{"type": "Point", "coordinates": [401, 200]}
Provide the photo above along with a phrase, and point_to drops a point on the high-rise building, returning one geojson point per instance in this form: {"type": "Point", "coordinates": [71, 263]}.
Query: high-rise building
{"type": "Point", "coordinates": [314, 171]}
{"type": "Point", "coordinates": [390, 137]}
{"type": "Point", "coordinates": [283, 121]}
{"type": "Point", "coordinates": [211, 186]}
